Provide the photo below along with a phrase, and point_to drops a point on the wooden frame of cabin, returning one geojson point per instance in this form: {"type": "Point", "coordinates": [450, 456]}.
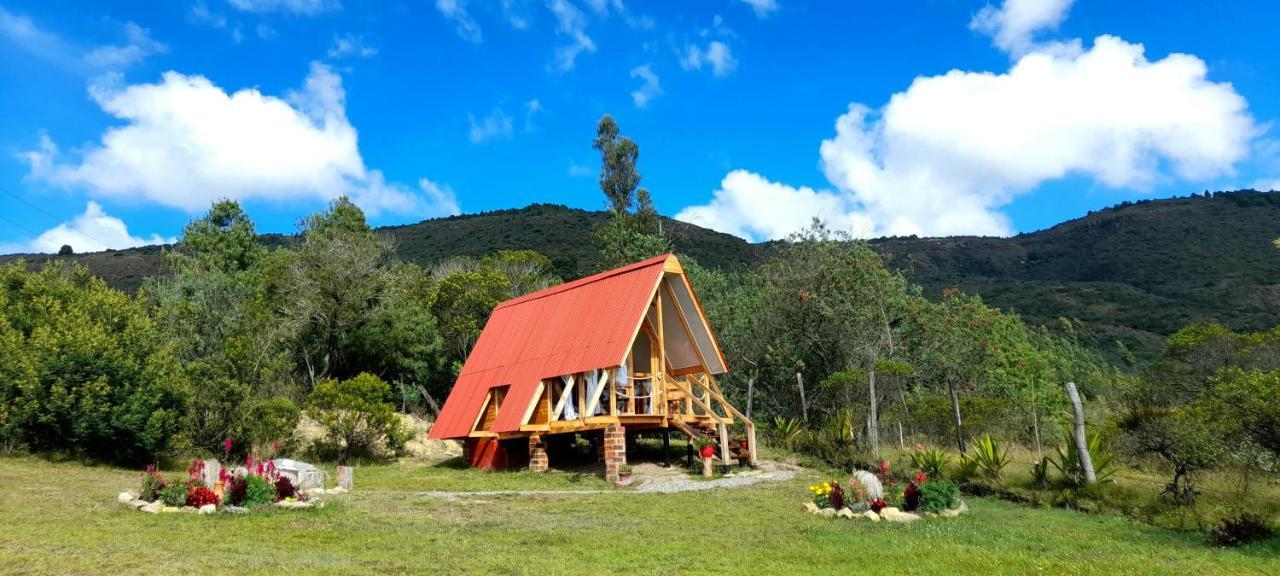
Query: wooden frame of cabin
{"type": "Point", "coordinates": [665, 380]}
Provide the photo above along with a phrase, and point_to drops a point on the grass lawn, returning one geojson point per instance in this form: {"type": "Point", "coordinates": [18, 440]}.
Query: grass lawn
{"type": "Point", "coordinates": [58, 518]}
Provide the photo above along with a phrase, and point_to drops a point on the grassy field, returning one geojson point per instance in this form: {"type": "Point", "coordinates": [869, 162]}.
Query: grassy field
{"type": "Point", "coordinates": [62, 518]}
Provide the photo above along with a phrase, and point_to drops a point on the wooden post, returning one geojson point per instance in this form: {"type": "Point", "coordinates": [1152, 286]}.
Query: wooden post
{"type": "Point", "coordinates": [955, 410]}
{"type": "Point", "coordinates": [751, 388]}
{"type": "Point", "coordinates": [873, 423]}
{"type": "Point", "coordinates": [346, 478]}
{"type": "Point", "coordinates": [804, 407]}
{"type": "Point", "coordinates": [659, 383]}
{"type": "Point", "coordinates": [751, 443]}
{"type": "Point", "coordinates": [724, 445]}
{"type": "Point", "coordinates": [1082, 443]}
{"type": "Point", "coordinates": [706, 467]}
{"type": "Point", "coordinates": [666, 447]}
{"type": "Point", "coordinates": [901, 443]}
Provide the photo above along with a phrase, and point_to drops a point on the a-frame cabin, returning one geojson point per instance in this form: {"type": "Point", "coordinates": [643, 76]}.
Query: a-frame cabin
{"type": "Point", "coordinates": [622, 351]}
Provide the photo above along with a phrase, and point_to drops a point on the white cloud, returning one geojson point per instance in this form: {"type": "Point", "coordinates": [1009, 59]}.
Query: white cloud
{"type": "Point", "coordinates": [514, 14]}
{"type": "Point", "coordinates": [92, 231]}
{"type": "Point", "coordinates": [944, 156]}
{"type": "Point", "coordinates": [571, 22]}
{"type": "Point", "coordinates": [580, 171]}
{"type": "Point", "coordinates": [456, 11]}
{"type": "Point", "coordinates": [1013, 25]}
{"type": "Point", "coordinates": [496, 125]}
{"type": "Point", "coordinates": [716, 55]}
{"type": "Point", "coordinates": [304, 7]}
{"type": "Point", "coordinates": [750, 206]}
{"type": "Point", "coordinates": [185, 142]}
{"type": "Point", "coordinates": [649, 88]}
{"type": "Point", "coordinates": [265, 32]}
{"type": "Point", "coordinates": [1266, 185]}
{"type": "Point", "coordinates": [762, 8]}
{"type": "Point", "coordinates": [532, 108]}
{"type": "Point", "coordinates": [200, 14]}
{"type": "Point", "coordinates": [349, 45]}
{"type": "Point", "coordinates": [137, 46]}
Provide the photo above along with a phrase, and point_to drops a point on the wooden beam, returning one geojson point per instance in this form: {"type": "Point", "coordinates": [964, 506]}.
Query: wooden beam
{"type": "Point", "coordinates": [594, 395]}
{"type": "Point", "coordinates": [535, 427]}
{"type": "Point", "coordinates": [533, 404]}
{"type": "Point", "coordinates": [482, 434]}
{"type": "Point", "coordinates": [564, 397]}
{"type": "Point", "coordinates": [484, 407]}
{"type": "Point", "coordinates": [657, 390]}
{"type": "Point", "coordinates": [699, 401]}
{"type": "Point", "coordinates": [581, 383]}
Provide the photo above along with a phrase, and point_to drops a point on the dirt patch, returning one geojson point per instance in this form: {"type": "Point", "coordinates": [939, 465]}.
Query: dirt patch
{"type": "Point", "coordinates": [418, 448]}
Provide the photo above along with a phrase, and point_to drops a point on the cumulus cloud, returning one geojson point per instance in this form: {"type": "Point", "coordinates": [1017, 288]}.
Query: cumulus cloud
{"type": "Point", "coordinates": [92, 231]}
{"type": "Point", "coordinates": [944, 156]}
{"type": "Point", "coordinates": [350, 45]}
{"type": "Point", "coordinates": [715, 55]}
{"type": "Point", "coordinates": [304, 7]}
{"type": "Point", "coordinates": [649, 87]}
{"type": "Point", "coordinates": [201, 14]}
{"type": "Point", "coordinates": [514, 14]}
{"type": "Point", "coordinates": [1013, 25]}
{"type": "Point", "coordinates": [185, 142]}
{"type": "Point", "coordinates": [456, 11]}
{"type": "Point", "coordinates": [497, 124]}
{"type": "Point", "coordinates": [750, 206]}
{"type": "Point", "coordinates": [137, 46]}
{"type": "Point", "coordinates": [570, 22]}
{"type": "Point", "coordinates": [762, 8]}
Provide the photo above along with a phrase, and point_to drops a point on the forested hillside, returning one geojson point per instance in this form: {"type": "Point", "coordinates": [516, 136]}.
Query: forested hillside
{"type": "Point", "coordinates": [1134, 273]}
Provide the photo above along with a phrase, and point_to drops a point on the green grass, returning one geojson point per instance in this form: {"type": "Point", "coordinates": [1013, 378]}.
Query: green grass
{"type": "Point", "coordinates": [58, 518]}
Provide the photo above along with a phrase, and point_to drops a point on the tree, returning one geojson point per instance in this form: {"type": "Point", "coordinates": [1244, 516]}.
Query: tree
{"type": "Point", "coordinates": [633, 231]}
{"type": "Point", "coordinates": [66, 250]}
{"type": "Point", "coordinates": [356, 414]}
{"type": "Point", "coordinates": [83, 369]}
{"type": "Point", "coordinates": [351, 305]}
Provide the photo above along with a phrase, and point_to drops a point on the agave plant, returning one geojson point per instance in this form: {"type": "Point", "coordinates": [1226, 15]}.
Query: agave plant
{"type": "Point", "coordinates": [1068, 461]}
{"type": "Point", "coordinates": [990, 456]}
{"type": "Point", "coordinates": [931, 461]}
{"type": "Point", "coordinates": [787, 430]}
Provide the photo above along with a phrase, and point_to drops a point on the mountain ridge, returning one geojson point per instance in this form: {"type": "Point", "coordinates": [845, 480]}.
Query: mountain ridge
{"type": "Point", "coordinates": [1134, 272]}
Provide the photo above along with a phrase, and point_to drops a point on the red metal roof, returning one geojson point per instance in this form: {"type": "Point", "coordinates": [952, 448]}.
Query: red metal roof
{"type": "Point", "coordinates": [586, 324]}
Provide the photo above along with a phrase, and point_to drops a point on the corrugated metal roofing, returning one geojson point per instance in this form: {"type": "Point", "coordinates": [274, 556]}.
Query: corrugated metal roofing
{"type": "Point", "coordinates": [582, 325]}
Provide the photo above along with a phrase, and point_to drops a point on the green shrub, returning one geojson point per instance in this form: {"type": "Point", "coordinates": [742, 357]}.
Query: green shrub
{"type": "Point", "coordinates": [939, 495]}
{"type": "Point", "coordinates": [258, 492]}
{"type": "Point", "coordinates": [83, 368]}
{"type": "Point", "coordinates": [356, 414]}
{"type": "Point", "coordinates": [174, 494]}
{"type": "Point", "coordinates": [1040, 473]}
{"type": "Point", "coordinates": [932, 461]}
{"type": "Point", "coordinates": [1243, 528]}
{"type": "Point", "coordinates": [990, 456]}
{"type": "Point", "coordinates": [966, 468]}
{"type": "Point", "coordinates": [786, 431]}
{"type": "Point", "coordinates": [271, 421]}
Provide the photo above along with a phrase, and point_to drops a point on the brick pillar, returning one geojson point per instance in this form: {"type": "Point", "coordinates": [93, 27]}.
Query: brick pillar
{"type": "Point", "coordinates": [615, 451]}
{"type": "Point", "coordinates": [538, 461]}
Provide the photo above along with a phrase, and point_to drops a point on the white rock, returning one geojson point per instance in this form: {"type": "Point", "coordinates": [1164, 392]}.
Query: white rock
{"type": "Point", "coordinates": [337, 490]}
{"type": "Point", "coordinates": [872, 516]}
{"type": "Point", "coordinates": [870, 484]}
{"type": "Point", "coordinates": [896, 515]}
{"type": "Point", "coordinates": [958, 510]}
{"type": "Point", "coordinates": [828, 512]}
{"type": "Point", "coordinates": [153, 507]}
{"type": "Point", "coordinates": [125, 497]}
{"type": "Point", "coordinates": [169, 509]}
{"type": "Point", "coordinates": [208, 508]}
{"type": "Point", "coordinates": [235, 510]}
{"type": "Point", "coordinates": [136, 504]}
{"type": "Point", "coordinates": [293, 505]}
{"type": "Point", "coordinates": [811, 507]}
{"type": "Point", "coordinates": [845, 513]}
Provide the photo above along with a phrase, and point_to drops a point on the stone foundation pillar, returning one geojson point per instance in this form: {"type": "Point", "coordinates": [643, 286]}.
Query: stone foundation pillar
{"type": "Point", "coordinates": [538, 461]}
{"type": "Point", "coordinates": [615, 451]}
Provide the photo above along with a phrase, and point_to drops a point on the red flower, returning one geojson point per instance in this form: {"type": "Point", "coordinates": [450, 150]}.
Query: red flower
{"type": "Point", "coordinates": [921, 478]}
{"type": "Point", "coordinates": [227, 444]}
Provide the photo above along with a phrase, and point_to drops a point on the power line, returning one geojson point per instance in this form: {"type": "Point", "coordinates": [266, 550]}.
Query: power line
{"type": "Point", "coordinates": [56, 219]}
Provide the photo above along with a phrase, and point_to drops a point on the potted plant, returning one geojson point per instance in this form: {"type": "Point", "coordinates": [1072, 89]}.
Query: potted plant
{"type": "Point", "coordinates": [706, 446]}
{"type": "Point", "coordinates": [624, 474]}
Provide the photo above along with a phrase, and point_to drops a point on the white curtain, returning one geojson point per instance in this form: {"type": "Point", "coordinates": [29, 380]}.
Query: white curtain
{"type": "Point", "coordinates": [570, 406]}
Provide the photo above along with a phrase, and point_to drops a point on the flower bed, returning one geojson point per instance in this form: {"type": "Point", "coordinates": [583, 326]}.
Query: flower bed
{"type": "Point", "coordinates": [252, 486]}
{"type": "Point", "coordinates": [878, 497]}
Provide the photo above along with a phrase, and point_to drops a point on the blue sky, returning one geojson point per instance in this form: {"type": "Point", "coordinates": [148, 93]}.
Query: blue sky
{"type": "Point", "coordinates": [930, 117]}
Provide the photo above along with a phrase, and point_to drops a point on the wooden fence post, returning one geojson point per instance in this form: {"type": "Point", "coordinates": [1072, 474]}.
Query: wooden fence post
{"type": "Point", "coordinates": [1082, 442]}
{"type": "Point", "coordinates": [804, 407]}
{"type": "Point", "coordinates": [346, 477]}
